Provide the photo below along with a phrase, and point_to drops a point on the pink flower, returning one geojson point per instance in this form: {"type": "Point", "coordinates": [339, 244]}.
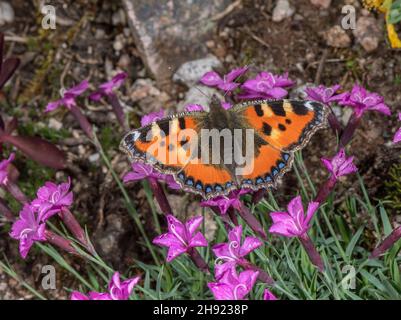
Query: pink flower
{"type": "Point", "coordinates": [181, 237]}
{"type": "Point", "coordinates": [293, 223]}
{"type": "Point", "coordinates": [51, 198]}
{"type": "Point", "coordinates": [233, 286]}
{"type": "Point", "coordinates": [266, 86]}
{"type": "Point", "coordinates": [68, 97]}
{"type": "Point", "coordinates": [227, 83]}
{"type": "Point", "coordinates": [340, 165]}
{"type": "Point", "coordinates": [142, 171]}
{"type": "Point", "coordinates": [76, 295]}
{"type": "Point", "coordinates": [362, 100]}
{"type": "Point", "coordinates": [106, 89]}
{"type": "Point", "coordinates": [151, 117]}
{"type": "Point", "coordinates": [121, 290]}
{"type": "Point", "coordinates": [4, 168]}
{"type": "Point", "coordinates": [325, 94]}
{"type": "Point", "coordinates": [197, 107]}
{"type": "Point", "coordinates": [397, 136]}
{"type": "Point", "coordinates": [223, 203]}
{"type": "Point", "coordinates": [27, 229]}
{"type": "Point", "coordinates": [117, 290]}
{"type": "Point", "coordinates": [268, 295]}
{"type": "Point", "coordinates": [233, 253]}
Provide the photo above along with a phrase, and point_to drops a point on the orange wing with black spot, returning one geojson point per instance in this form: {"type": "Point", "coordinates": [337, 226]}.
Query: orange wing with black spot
{"type": "Point", "coordinates": [171, 146]}
{"type": "Point", "coordinates": [282, 126]}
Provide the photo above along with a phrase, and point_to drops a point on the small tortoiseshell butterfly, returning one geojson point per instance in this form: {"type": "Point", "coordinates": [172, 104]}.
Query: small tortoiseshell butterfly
{"type": "Point", "coordinates": [278, 127]}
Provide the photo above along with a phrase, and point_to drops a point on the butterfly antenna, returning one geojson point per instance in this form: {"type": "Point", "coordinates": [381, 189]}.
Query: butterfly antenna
{"type": "Point", "coordinates": [196, 87]}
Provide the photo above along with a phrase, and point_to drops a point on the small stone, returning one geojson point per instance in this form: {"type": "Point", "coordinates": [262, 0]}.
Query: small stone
{"type": "Point", "coordinates": [324, 4]}
{"type": "Point", "coordinates": [94, 157]}
{"type": "Point", "coordinates": [337, 37]}
{"type": "Point", "coordinates": [124, 61]}
{"type": "Point", "coordinates": [282, 10]}
{"type": "Point", "coordinates": [100, 34]}
{"type": "Point", "coordinates": [118, 44]}
{"type": "Point", "coordinates": [190, 72]}
{"type": "Point", "coordinates": [367, 33]}
{"type": "Point", "coordinates": [143, 88]}
{"type": "Point", "coordinates": [6, 13]}
{"type": "Point", "coordinates": [118, 18]}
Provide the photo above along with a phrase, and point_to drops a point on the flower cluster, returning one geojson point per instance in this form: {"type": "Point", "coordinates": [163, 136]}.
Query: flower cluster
{"type": "Point", "coordinates": [30, 227]}
{"type": "Point", "coordinates": [232, 254]}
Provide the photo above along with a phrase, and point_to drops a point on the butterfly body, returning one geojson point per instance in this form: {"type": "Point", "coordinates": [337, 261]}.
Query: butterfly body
{"type": "Point", "coordinates": [250, 145]}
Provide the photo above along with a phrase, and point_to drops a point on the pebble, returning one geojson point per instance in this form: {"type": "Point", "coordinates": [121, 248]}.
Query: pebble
{"type": "Point", "coordinates": [324, 4]}
{"type": "Point", "coordinates": [118, 18]}
{"type": "Point", "coordinates": [337, 37]}
{"type": "Point", "coordinates": [94, 157]}
{"type": "Point", "coordinates": [190, 72]}
{"type": "Point", "coordinates": [6, 13]}
{"type": "Point", "coordinates": [282, 10]}
{"type": "Point", "coordinates": [55, 124]}
{"type": "Point", "coordinates": [367, 33]}
{"type": "Point", "coordinates": [124, 61]}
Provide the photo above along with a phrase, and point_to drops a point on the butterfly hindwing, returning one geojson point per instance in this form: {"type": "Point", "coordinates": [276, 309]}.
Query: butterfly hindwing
{"type": "Point", "coordinates": [285, 126]}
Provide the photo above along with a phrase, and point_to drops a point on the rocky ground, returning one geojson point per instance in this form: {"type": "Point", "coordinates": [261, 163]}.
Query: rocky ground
{"type": "Point", "coordinates": [157, 45]}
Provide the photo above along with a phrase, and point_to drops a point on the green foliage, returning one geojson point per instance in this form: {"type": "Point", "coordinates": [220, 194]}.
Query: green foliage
{"type": "Point", "coordinates": [393, 187]}
{"type": "Point", "coordinates": [395, 12]}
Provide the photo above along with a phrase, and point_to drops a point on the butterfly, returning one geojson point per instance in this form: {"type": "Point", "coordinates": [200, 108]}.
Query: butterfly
{"type": "Point", "coordinates": [268, 132]}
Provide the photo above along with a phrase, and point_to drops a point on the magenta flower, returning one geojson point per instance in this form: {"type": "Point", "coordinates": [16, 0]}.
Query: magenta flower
{"type": "Point", "coordinates": [180, 237]}
{"type": "Point", "coordinates": [223, 203]}
{"type": "Point", "coordinates": [268, 295]}
{"type": "Point", "coordinates": [27, 229]}
{"type": "Point", "coordinates": [230, 254]}
{"type": "Point", "coordinates": [397, 136]}
{"type": "Point", "coordinates": [197, 107]}
{"type": "Point", "coordinates": [117, 290]}
{"type": "Point", "coordinates": [151, 117]}
{"type": "Point", "coordinates": [340, 165]}
{"type": "Point", "coordinates": [68, 97]}
{"type": "Point", "coordinates": [121, 290]}
{"type": "Point", "coordinates": [293, 223]}
{"type": "Point", "coordinates": [194, 107]}
{"type": "Point", "coordinates": [233, 286]}
{"type": "Point", "coordinates": [141, 171]}
{"type": "Point", "coordinates": [325, 94]}
{"type": "Point", "coordinates": [76, 295]}
{"type": "Point", "coordinates": [106, 89]}
{"type": "Point", "coordinates": [266, 86]}
{"type": "Point", "coordinates": [362, 100]}
{"type": "Point", "coordinates": [52, 198]}
{"type": "Point", "coordinates": [227, 83]}
{"type": "Point", "coordinates": [4, 168]}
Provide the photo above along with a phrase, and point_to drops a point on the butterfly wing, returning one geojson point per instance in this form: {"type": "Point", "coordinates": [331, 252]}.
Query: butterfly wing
{"type": "Point", "coordinates": [171, 146]}
{"type": "Point", "coordinates": [282, 126]}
